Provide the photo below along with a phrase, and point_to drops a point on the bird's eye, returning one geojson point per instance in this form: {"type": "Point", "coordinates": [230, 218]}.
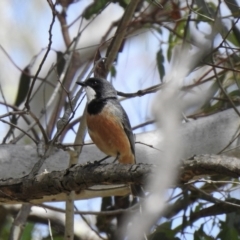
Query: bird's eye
{"type": "Point", "coordinates": [94, 83]}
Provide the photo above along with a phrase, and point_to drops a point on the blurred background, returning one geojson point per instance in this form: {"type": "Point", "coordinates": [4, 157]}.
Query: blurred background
{"type": "Point", "coordinates": [79, 30]}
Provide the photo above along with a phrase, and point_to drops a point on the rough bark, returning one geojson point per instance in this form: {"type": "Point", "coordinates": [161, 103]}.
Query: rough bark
{"type": "Point", "coordinates": [52, 186]}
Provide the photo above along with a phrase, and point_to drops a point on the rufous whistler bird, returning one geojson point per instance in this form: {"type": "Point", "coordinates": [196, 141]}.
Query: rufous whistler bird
{"type": "Point", "coordinates": [108, 123]}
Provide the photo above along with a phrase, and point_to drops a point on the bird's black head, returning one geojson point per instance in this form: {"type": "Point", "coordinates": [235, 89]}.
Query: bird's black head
{"type": "Point", "coordinates": [98, 88]}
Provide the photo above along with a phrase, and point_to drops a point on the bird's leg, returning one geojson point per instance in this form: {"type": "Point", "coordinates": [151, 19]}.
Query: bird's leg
{"type": "Point", "coordinates": [116, 158]}
{"type": "Point", "coordinates": [101, 160]}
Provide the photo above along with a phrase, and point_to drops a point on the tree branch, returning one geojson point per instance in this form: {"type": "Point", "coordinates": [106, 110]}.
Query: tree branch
{"type": "Point", "coordinates": [76, 178]}
{"type": "Point", "coordinates": [210, 165]}
{"type": "Point", "coordinates": [120, 34]}
{"type": "Point", "coordinates": [80, 178]}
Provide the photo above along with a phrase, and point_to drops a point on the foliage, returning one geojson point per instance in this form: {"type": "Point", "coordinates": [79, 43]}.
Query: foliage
{"type": "Point", "coordinates": [196, 211]}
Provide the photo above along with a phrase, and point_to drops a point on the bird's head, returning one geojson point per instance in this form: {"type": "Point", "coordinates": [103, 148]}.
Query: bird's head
{"type": "Point", "coordinates": [98, 88]}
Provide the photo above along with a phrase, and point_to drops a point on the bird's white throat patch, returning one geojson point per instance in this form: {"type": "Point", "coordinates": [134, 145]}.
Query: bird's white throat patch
{"type": "Point", "coordinates": [91, 94]}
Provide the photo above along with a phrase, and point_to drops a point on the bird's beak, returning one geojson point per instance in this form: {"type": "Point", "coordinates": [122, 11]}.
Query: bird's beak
{"type": "Point", "coordinates": [83, 84]}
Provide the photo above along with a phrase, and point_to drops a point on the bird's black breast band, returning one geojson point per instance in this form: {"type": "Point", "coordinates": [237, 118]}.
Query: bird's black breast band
{"type": "Point", "coordinates": [97, 105]}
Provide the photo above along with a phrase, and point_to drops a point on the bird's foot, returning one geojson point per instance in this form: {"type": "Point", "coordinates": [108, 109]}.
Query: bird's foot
{"type": "Point", "coordinates": [101, 160]}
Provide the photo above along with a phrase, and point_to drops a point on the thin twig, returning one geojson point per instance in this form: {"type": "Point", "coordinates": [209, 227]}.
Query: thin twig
{"type": "Point", "coordinates": [142, 92]}
{"type": "Point", "coordinates": [120, 34]}
{"type": "Point", "coordinates": [40, 126]}
{"type": "Point", "coordinates": [143, 124]}
{"type": "Point", "coordinates": [102, 213]}
{"type": "Point", "coordinates": [65, 78]}
{"type": "Point", "coordinates": [19, 222]}
{"type": "Point", "coordinates": [224, 92]}
{"type": "Point", "coordinates": [213, 199]}
{"type": "Point", "coordinates": [24, 132]}
{"type": "Point", "coordinates": [50, 229]}
{"type": "Point", "coordinates": [42, 62]}
{"type": "Point", "coordinates": [89, 225]}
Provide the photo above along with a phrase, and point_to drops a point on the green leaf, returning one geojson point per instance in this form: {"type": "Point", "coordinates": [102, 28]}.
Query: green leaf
{"type": "Point", "coordinates": [113, 71]}
{"type": "Point", "coordinates": [175, 39]}
{"type": "Point", "coordinates": [94, 8]}
{"type": "Point", "coordinates": [232, 5]}
{"type": "Point", "coordinates": [122, 3]}
{"type": "Point", "coordinates": [5, 229]}
{"type": "Point", "coordinates": [201, 235]}
{"type": "Point", "coordinates": [171, 44]}
{"type": "Point", "coordinates": [28, 230]}
{"type": "Point", "coordinates": [163, 232]}
{"type": "Point", "coordinates": [23, 87]}
{"type": "Point", "coordinates": [160, 64]}
{"type": "Point", "coordinates": [234, 36]}
{"type": "Point", "coordinates": [162, 236]}
{"type": "Point", "coordinates": [206, 10]}
{"type": "Point", "coordinates": [60, 62]}
{"type": "Point", "coordinates": [227, 232]}
{"type": "Point", "coordinates": [55, 237]}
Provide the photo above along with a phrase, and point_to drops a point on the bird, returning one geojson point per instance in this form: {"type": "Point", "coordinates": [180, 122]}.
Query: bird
{"type": "Point", "coordinates": [108, 123]}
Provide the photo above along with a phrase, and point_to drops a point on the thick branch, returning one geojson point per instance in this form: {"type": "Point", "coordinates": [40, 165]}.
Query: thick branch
{"type": "Point", "coordinates": [76, 178]}
{"type": "Point", "coordinates": [80, 178]}
{"type": "Point", "coordinates": [210, 165]}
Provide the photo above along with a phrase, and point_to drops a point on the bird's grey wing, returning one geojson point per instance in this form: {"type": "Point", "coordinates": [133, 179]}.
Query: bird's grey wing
{"type": "Point", "coordinates": [121, 113]}
{"type": "Point", "coordinates": [137, 189]}
{"type": "Point", "coordinates": [128, 131]}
